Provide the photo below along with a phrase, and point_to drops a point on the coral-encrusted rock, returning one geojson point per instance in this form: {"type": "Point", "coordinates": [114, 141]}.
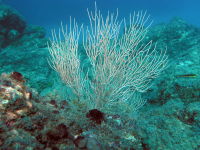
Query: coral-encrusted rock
{"type": "Point", "coordinates": [13, 34]}
{"type": "Point", "coordinates": [59, 132]}
{"type": "Point", "coordinates": [12, 25]}
{"type": "Point", "coordinates": [93, 144]}
{"type": "Point", "coordinates": [11, 19]}
{"type": "Point", "coordinates": [80, 141]}
{"type": "Point", "coordinates": [19, 139]}
{"type": "Point", "coordinates": [35, 31]}
{"type": "Point", "coordinates": [15, 96]}
{"type": "Point", "coordinates": [88, 141]}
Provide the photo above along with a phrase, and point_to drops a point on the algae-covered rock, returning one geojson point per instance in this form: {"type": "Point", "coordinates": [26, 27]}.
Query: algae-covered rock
{"type": "Point", "coordinates": [15, 95]}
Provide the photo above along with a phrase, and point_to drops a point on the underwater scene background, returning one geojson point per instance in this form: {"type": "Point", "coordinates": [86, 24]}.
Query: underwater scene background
{"type": "Point", "coordinates": [140, 91]}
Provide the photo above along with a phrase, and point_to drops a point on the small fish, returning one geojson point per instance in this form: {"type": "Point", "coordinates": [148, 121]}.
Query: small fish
{"type": "Point", "coordinates": [188, 76]}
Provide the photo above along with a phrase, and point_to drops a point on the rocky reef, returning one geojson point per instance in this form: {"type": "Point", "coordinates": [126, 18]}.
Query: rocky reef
{"type": "Point", "coordinates": [37, 113]}
{"type": "Point", "coordinates": [14, 30]}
